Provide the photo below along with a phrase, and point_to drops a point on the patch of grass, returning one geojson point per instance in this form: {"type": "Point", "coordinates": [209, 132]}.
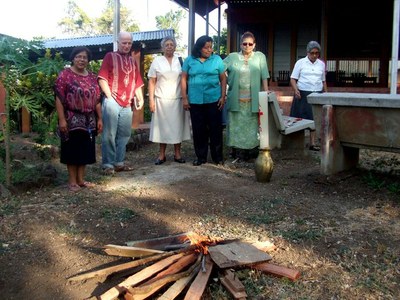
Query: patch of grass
{"type": "Point", "coordinates": [379, 182]}
{"type": "Point", "coordinates": [373, 181]}
{"type": "Point", "coordinates": [268, 213]}
{"type": "Point", "coordinates": [43, 151]}
{"type": "Point", "coordinates": [374, 279]}
{"type": "Point", "coordinates": [264, 218]}
{"type": "Point", "coordinates": [254, 282]}
{"type": "Point", "coordinates": [10, 207]}
{"type": "Point", "coordinates": [24, 174]}
{"type": "Point", "coordinates": [3, 154]}
{"type": "Point", "coordinates": [217, 292]}
{"type": "Point", "coordinates": [394, 188]}
{"type": "Point", "coordinates": [209, 219]}
{"type": "Point", "coordinates": [74, 200]}
{"type": "Point", "coordinates": [117, 214]}
{"type": "Point", "coordinates": [300, 222]}
{"type": "Point", "coordinates": [300, 234]}
{"type": "Point", "coordinates": [67, 230]}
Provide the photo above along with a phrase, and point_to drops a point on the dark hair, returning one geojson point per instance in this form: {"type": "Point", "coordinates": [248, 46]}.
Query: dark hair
{"type": "Point", "coordinates": [247, 34]}
{"type": "Point", "coordinates": [201, 41]}
{"type": "Point", "coordinates": [80, 49]}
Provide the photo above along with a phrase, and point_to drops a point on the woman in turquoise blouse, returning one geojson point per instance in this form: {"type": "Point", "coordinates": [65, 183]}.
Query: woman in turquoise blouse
{"type": "Point", "coordinates": [203, 86]}
{"type": "Point", "coordinates": [247, 70]}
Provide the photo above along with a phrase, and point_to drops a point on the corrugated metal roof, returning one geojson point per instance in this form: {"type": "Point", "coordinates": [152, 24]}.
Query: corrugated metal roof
{"type": "Point", "coordinates": [106, 39]}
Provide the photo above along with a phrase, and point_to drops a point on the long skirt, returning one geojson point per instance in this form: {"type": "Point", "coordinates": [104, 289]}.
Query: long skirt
{"type": "Point", "coordinates": [242, 128]}
{"type": "Point", "coordinates": [301, 108]}
{"type": "Point", "coordinates": [170, 123]}
{"type": "Point", "coordinates": [79, 148]}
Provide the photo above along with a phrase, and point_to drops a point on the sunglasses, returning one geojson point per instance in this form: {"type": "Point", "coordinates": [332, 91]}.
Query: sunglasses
{"type": "Point", "coordinates": [249, 44]}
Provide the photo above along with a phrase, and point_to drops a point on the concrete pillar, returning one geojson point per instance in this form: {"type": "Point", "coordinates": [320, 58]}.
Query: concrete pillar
{"type": "Point", "coordinates": [334, 157]}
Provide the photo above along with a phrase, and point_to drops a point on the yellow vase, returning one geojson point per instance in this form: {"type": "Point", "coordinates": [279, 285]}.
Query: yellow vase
{"type": "Point", "coordinates": [263, 166]}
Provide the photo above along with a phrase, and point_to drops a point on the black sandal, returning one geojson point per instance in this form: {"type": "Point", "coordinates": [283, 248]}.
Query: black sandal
{"type": "Point", "coordinates": [198, 162]}
{"type": "Point", "coordinates": [160, 161]}
{"type": "Point", "coordinates": [179, 160]}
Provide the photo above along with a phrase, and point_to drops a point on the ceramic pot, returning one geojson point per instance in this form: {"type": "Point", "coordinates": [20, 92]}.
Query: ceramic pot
{"type": "Point", "coordinates": [263, 166]}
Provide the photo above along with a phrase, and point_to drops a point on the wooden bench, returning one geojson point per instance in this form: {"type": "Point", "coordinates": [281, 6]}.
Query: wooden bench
{"type": "Point", "coordinates": [283, 131]}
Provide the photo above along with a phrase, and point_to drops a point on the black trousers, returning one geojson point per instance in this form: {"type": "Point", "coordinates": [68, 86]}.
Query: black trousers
{"type": "Point", "coordinates": [207, 128]}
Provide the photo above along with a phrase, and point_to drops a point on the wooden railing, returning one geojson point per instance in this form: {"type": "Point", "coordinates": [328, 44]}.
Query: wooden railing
{"type": "Point", "coordinates": [357, 73]}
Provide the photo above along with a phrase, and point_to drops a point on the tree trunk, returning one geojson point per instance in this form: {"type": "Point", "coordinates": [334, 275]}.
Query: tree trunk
{"type": "Point", "coordinates": [4, 119]}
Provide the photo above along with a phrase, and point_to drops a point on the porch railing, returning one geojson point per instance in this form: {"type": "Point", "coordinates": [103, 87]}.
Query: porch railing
{"type": "Point", "coordinates": [362, 72]}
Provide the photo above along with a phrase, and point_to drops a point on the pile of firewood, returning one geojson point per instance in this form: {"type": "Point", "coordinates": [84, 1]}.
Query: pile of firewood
{"type": "Point", "coordinates": [182, 264]}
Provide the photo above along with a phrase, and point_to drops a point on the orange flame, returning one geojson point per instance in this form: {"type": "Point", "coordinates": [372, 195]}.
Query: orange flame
{"type": "Point", "coordinates": [202, 242]}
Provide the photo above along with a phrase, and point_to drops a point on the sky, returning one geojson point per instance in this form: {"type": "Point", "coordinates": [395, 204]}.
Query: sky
{"type": "Point", "coordinates": [27, 19]}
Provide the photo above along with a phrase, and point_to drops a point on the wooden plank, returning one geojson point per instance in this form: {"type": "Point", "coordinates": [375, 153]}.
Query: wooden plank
{"type": "Point", "coordinates": [237, 254]}
{"type": "Point", "coordinates": [233, 285]}
{"type": "Point", "coordinates": [140, 276]}
{"type": "Point", "coordinates": [175, 289]}
{"type": "Point", "coordinates": [149, 288]}
{"type": "Point", "coordinates": [126, 251]}
{"type": "Point", "coordinates": [198, 286]}
{"type": "Point", "coordinates": [162, 243]}
{"type": "Point", "coordinates": [276, 270]}
{"type": "Point", "coordinates": [26, 120]}
{"type": "Point", "coordinates": [121, 267]}
{"type": "Point", "coordinates": [175, 267]}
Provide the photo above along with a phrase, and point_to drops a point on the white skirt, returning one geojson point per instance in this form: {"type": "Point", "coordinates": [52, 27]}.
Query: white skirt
{"type": "Point", "coordinates": [170, 123]}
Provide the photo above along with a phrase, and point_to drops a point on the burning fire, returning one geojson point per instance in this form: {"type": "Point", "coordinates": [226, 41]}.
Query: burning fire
{"type": "Point", "coordinates": [201, 243]}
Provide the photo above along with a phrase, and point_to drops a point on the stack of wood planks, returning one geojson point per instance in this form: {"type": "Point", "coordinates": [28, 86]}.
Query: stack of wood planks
{"type": "Point", "coordinates": [181, 265]}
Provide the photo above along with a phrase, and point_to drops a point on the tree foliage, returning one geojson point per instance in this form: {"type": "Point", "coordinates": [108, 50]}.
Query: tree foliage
{"type": "Point", "coordinates": [27, 84]}
{"type": "Point", "coordinates": [171, 20]}
{"type": "Point", "coordinates": [78, 23]}
{"type": "Point", "coordinates": [222, 42]}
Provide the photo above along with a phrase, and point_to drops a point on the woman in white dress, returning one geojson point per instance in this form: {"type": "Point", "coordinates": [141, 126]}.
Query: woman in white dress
{"type": "Point", "coordinates": [169, 121]}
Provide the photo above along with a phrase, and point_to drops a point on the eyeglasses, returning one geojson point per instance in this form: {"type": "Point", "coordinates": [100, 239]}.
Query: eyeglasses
{"type": "Point", "coordinates": [314, 53]}
{"type": "Point", "coordinates": [81, 57]}
{"type": "Point", "coordinates": [249, 44]}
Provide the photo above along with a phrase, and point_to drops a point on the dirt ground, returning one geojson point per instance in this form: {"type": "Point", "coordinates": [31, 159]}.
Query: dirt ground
{"type": "Point", "coordinates": [341, 232]}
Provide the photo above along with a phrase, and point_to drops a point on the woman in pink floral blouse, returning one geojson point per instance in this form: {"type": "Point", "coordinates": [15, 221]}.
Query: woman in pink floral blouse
{"type": "Point", "coordinates": [78, 107]}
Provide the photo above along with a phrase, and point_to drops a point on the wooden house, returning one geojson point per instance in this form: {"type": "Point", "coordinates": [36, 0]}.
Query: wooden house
{"type": "Point", "coordinates": [356, 37]}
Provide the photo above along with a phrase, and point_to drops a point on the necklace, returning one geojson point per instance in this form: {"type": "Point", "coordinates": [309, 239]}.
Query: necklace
{"type": "Point", "coordinates": [126, 67]}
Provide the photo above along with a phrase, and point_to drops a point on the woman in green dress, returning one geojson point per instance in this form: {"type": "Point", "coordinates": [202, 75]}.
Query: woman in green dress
{"type": "Point", "coordinates": [248, 74]}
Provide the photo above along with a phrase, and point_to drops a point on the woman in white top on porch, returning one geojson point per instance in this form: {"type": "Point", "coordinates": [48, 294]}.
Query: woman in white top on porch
{"type": "Point", "coordinates": [308, 76]}
{"type": "Point", "coordinates": [169, 121]}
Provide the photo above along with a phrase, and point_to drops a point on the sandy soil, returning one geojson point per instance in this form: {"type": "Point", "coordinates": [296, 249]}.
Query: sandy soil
{"type": "Point", "coordinates": [341, 232]}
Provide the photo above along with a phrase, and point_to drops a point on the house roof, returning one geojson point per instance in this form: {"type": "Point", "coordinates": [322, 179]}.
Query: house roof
{"type": "Point", "coordinates": [201, 7]}
{"type": "Point", "coordinates": [101, 44]}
